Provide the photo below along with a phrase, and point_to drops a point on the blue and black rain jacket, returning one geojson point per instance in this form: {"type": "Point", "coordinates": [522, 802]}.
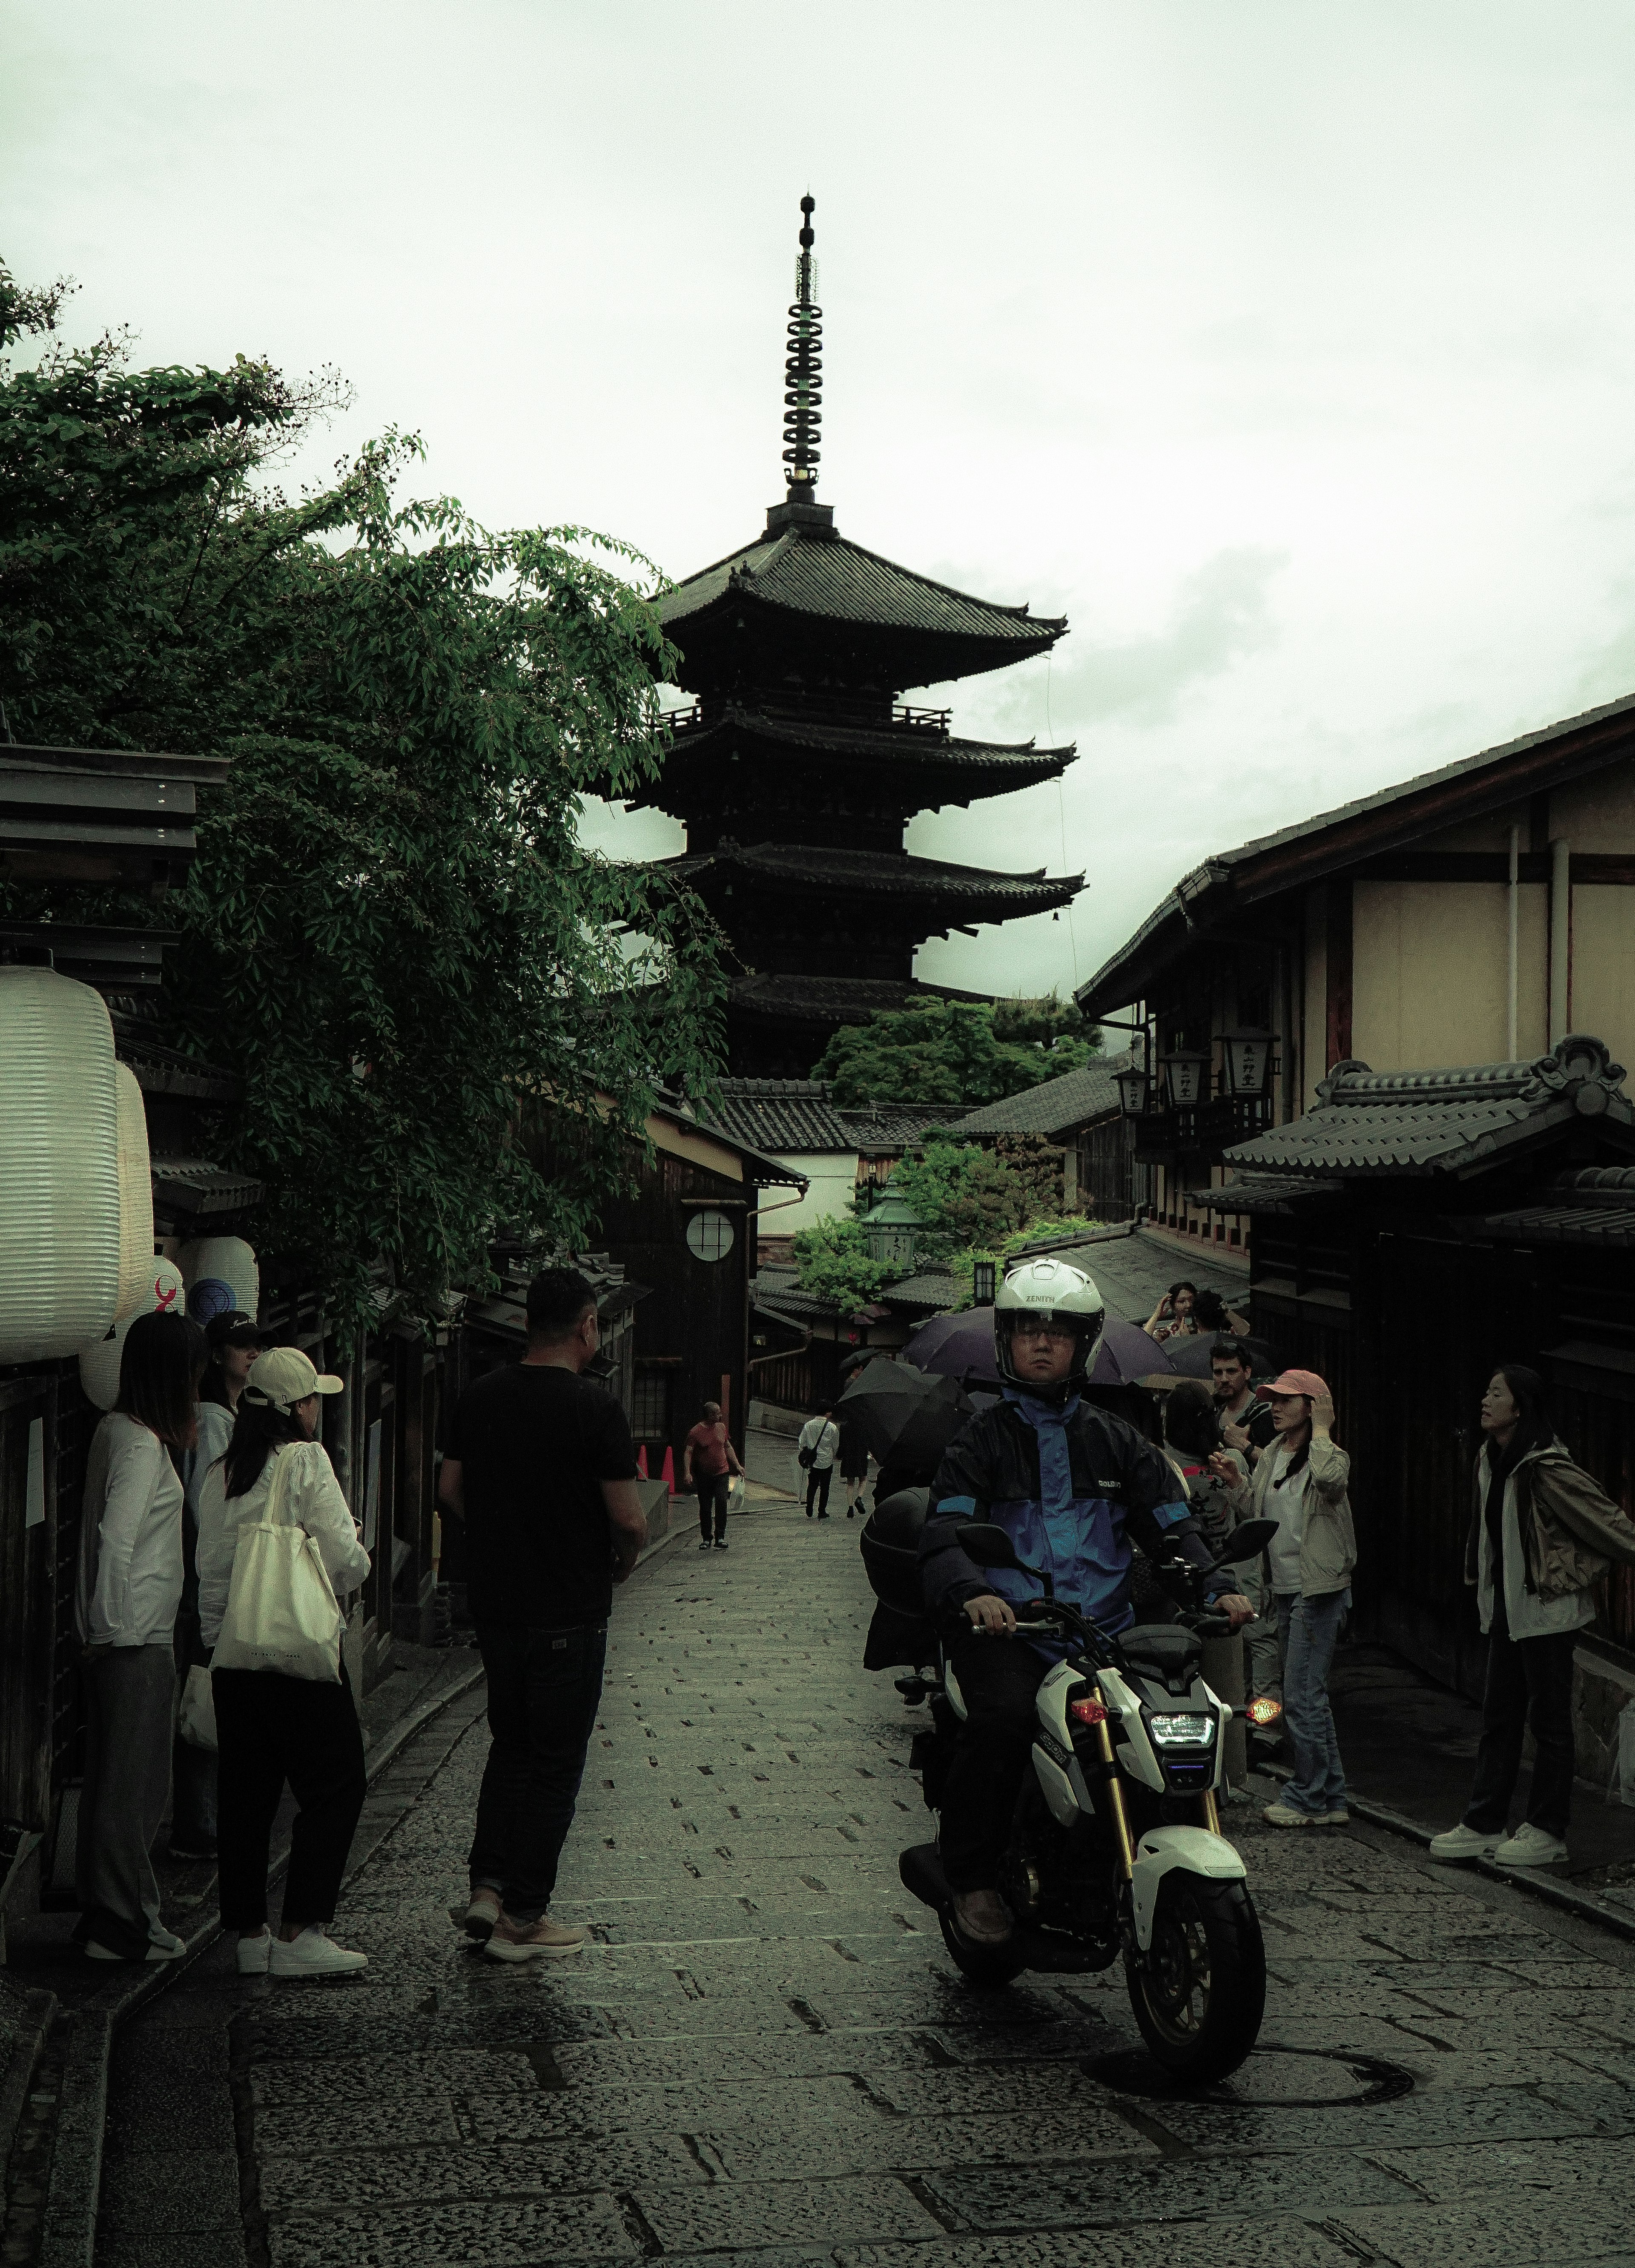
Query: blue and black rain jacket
{"type": "Point", "coordinates": [1071, 1484]}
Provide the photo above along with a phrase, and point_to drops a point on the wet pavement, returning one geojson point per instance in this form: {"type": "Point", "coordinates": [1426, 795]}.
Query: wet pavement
{"type": "Point", "coordinates": [765, 2057]}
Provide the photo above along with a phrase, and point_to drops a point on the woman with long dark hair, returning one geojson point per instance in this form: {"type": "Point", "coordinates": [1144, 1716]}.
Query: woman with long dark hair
{"type": "Point", "coordinates": [274, 1728]}
{"type": "Point", "coordinates": [1543, 1533]}
{"type": "Point", "coordinates": [128, 1590]}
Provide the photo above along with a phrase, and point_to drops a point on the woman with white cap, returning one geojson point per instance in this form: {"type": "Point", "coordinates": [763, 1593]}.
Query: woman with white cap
{"type": "Point", "coordinates": [273, 1727]}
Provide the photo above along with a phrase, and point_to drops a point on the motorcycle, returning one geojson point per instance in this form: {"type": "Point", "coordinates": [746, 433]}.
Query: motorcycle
{"type": "Point", "coordinates": [1115, 1843]}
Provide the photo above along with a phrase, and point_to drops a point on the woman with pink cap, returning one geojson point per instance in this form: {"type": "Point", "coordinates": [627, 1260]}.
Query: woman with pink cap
{"type": "Point", "coordinates": [1300, 1483]}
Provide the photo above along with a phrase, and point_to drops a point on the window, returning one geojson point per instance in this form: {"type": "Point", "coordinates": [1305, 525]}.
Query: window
{"type": "Point", "coordinates": [650, 1402]}
{"type": "Point", "coordinates": [709, 1235]}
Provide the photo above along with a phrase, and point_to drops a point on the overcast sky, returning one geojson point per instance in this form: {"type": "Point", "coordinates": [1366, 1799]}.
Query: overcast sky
{"type": "Point", "coordinates": [1286, 348]}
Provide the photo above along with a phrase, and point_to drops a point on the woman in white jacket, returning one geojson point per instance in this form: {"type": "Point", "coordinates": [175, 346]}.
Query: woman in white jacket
{"type": "Point", "coordinates": [125, 1599]}
{"type": "Point", "coordinates": [274, 1728]}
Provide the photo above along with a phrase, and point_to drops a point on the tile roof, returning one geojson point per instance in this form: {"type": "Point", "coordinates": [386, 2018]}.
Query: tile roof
{"type": "Point", "coordinates": [793, 866]}
{"type": "Point", "coordinates": [1426, 1122]}
{"type": "Point", "coordinates": [1261, 1193]}
{"type": "Point", "coordinates": [1390, 820]}
{"type": "Point", "coordinates": [826, 575]}
{"type": "Point", "coordinates": [930, 1289]}
{"type": "Point", "coordinates": [1594, 1205]}
{"type": "Point", "coordinates": [797, 1114]}
{"type": "Point", "coordinates": [1055, 1105]}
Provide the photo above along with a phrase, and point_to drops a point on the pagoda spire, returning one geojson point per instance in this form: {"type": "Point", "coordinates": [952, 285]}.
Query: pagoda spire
{"type": "Point", "coordinates": [803, 371]}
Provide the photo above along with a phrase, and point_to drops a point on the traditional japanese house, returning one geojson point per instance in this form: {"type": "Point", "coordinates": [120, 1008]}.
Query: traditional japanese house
{"type": "Point", "coordinates": [1305, 1012]}
{"type": "Point", "coordinates": [797, 767]}
{"type": "Point", "coordinates": [1082, 1115]}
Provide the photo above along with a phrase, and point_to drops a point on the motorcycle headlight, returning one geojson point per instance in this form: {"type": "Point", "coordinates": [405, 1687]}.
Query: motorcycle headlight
{"type": "Point", "coordinates": [1181, 1732]}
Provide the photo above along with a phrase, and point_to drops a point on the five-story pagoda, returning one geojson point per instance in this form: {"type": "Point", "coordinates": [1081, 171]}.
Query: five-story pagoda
{"type": "Point", "coordinates": [798, 768]}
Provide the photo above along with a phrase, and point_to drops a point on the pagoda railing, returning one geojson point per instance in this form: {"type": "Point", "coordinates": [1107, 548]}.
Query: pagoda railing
{"type": "Point", "coordinates": [833, 709]}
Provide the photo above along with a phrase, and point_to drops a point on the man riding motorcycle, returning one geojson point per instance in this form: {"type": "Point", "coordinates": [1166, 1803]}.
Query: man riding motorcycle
{"type": "Point", "coordinates": [1070, 1483]}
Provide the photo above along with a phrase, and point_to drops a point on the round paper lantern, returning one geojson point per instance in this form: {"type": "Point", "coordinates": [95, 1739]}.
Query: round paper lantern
{"type": "Point", "coordinates": [136, 1198]}
{"type": "Point", "coordinates": [60, 1238]}
{"type": "Point", "coordinates": [98, 1365]}
{"type": "Point", "coordinates": [220, 1273]}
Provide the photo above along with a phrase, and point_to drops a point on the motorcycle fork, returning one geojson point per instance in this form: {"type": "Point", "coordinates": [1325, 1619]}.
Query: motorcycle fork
{"type": "Point", "coordinates": [1211, 1811]}
{"type": "Point", "coordinates": [1113, 1786]}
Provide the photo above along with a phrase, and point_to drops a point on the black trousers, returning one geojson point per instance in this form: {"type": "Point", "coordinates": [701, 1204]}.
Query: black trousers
{"type": "Point", "coordinates": [818, 1478]}
{"type": "Point", "coordinates": [544, 1691]}
{"type": "Point", "coordinates": [1530, 1682]}
{"type": "Point", "coordinates": [998, 1678]}
{"type": "Point", "coordinates": [714, 1490]}
{"type": "Point", "coordinates": [270, 1728]}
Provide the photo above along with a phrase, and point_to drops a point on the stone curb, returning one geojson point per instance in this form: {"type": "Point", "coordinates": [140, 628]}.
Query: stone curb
{"type": "Point", "coordinates": [1530, 1879]}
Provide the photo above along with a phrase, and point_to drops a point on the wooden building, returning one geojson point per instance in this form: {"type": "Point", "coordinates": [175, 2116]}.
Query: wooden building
{"type": "Point", "coordinates": [797, 767]}
{"type": "Point", "coordinates": [1080, 1114]}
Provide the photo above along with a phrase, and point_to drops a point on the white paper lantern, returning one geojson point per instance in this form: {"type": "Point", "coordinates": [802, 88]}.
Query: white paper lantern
{"type": "Point", "coordinates": [98, 1365]}
{"type": "Point", "coordinates": [136, 1198]}
{"type": "Point", "coordinates": [220, 1272]}
{"type": "Point", "coordinates": [60, 1239]}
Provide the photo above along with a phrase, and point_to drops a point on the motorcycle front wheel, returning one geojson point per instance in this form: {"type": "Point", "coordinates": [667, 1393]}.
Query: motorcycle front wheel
{"type": "Point", "coordinates": [1200, 1993]}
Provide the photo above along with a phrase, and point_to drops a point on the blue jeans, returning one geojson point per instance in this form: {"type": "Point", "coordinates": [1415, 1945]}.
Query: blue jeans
{"type": "Point", "coordinates": [1308, 1629]}
{"type": "Point", "coordinates": [544, 1691]}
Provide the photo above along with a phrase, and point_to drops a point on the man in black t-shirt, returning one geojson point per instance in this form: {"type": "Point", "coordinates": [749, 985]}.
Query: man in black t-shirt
{"type": "Point", "coordinates": [539, 1464]}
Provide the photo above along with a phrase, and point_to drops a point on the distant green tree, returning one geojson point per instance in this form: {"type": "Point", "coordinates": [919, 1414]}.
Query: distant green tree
{"type": "Point", "coordinates": [833, 1258]}
{"type": "Point", "coordinates": [392, 933]}
{"type": "Point", "coordinates": [954, 1051]}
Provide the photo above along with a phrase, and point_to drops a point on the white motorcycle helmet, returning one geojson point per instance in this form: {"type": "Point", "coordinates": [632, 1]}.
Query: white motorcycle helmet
{"type": "Point", "coordinates": [1053, 1291]}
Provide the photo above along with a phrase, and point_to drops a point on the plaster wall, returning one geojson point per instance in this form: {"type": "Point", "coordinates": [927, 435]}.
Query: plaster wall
{"type": "Point", "coordinates": [1314, 1051]}
{"type": "Point", "coordinates": [833, 1175]}
{"type": "Point", "coordinates": [1430, 973]}
{"type": "Point", "coordinates": [1600, 998]}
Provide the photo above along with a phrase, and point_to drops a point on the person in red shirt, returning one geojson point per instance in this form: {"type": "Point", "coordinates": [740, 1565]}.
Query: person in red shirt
{"type": "Point", "coordinates": [708, 1464]}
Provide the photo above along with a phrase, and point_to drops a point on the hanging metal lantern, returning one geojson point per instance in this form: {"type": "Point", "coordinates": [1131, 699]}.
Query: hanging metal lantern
{"type": "Point", "coordinates": [136, 1198]}
{"type": "Point", "coordinates": [1135, 1091]}
{"type": "Point", "coordinates": [1186, 1075]}
{"type": "Point", "coordinates": [60, 1236]}
{"type": "Point", "coordinates": [1248, 1062]}
{"type": "Point", "coordinates": [162, 1293]}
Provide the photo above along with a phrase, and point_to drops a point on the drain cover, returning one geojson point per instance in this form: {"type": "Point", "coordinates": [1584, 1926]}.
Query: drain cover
{"type": "Point", "coordinates": [1273, 2079]}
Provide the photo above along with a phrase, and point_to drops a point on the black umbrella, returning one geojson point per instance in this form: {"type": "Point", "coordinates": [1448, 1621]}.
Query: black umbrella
{"type": "Point", "coordinates": [905, 1416]}
{"type": "Point", "coordinates": [1190, 1355]}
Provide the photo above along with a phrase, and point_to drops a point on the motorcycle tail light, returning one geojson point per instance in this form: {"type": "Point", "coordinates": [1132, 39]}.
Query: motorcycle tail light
{"type": "Point", "coordinates": [1087, 1712]}
{"type": "Point", "coordinates": [1264, 1711]}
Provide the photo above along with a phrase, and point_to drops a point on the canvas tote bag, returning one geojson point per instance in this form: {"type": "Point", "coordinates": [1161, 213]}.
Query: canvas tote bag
{"type": "Point", "coordinates": [281, 1605]}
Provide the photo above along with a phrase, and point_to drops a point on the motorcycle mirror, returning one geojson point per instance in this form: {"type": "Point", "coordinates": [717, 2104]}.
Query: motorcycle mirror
{"type": "Point", "coordinates": [989, 1546]}
{"type": "Point", "coordinates": [1246, 1543]}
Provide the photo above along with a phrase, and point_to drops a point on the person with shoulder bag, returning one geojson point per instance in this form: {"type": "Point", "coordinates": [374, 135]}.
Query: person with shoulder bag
{"type": "Point", "coordinates": [276, 1544]}
{"type": "Point", "coordinates": [1543, 1533]}
{"type": "Point", "coordinates": [128, 1590]}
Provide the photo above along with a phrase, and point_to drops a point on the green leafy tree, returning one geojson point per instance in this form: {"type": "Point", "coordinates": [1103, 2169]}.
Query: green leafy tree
{"type": "Point", "coordinates": [833, 1258]}
{"type": "Point", "coordinates": [953, 1051]}
{"type": "Point", "coordinates": [392, 933]}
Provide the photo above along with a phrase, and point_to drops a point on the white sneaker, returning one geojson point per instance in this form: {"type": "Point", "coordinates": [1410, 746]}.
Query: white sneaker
{"type": "Point", "coordinates": [254, 1953]}
{"type": "Point", "coordinates": [1530, 1846]}
{"type": "Point", "coordinates": [1462, 1842]}
{"type": "Point", "coordinates": [169, 1943]}
{"type": "Point", "coordinates": [97, 1952]}
{"type": "Point", "coordinates": [313, 1954]}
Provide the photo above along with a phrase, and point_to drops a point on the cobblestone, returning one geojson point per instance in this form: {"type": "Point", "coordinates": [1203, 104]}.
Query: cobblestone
{"type": "Point", "coordinates": [765, 2059]}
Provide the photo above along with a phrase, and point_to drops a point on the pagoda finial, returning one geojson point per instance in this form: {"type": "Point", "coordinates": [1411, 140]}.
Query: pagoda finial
{"type": "Point", "coordinates": [803, 371]}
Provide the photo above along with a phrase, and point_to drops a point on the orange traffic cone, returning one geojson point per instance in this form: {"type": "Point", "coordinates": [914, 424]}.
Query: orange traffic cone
{"type": "Point", "coordinates": [667, 1475]}
{"type": "Point", "coordinates": [641, 1463]}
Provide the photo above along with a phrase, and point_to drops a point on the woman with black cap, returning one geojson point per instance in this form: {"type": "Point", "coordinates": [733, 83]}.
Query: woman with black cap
{"type": "Point", "coordinates": [274, 1727]}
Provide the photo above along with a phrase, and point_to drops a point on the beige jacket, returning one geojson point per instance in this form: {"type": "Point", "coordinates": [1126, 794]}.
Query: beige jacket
{"type": "Point", "coordinates": [1328, 1545]}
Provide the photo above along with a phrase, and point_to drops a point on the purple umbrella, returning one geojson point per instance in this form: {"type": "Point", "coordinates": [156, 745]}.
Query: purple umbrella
{"type": "Point", "coordinates": [956, 1346]}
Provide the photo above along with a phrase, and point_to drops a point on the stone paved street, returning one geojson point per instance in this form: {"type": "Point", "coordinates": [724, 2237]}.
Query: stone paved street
{"type": "Point", "coordinates": [766, 2055]}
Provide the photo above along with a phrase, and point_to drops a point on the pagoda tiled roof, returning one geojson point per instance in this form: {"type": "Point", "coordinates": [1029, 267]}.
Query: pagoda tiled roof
{"type": "Point", "coordinates": [973, 767]}
{"type": "Point", "coordinates": [830, 576]}
{"type": "Point", "coordinates": [797, 866]}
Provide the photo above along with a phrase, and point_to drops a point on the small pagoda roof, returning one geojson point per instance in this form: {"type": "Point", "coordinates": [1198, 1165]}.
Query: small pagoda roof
{"type": "Point", "coordinates": [801, 587]}
{"type": "Point", "coordinates": [806, 870]}
{"type": "Point", "coordinates": [931, 767]}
